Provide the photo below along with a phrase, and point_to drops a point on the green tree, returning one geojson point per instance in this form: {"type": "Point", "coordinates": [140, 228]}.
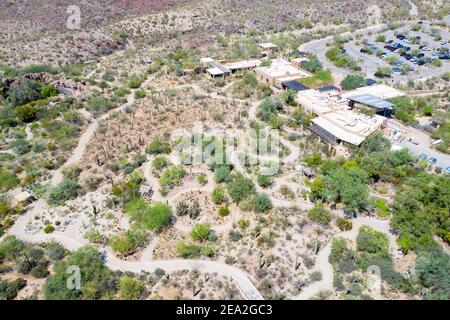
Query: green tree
{"type": "Point", "coordinates": [352, 82]}
{"type": "Point", "coordinates": [97, 280]}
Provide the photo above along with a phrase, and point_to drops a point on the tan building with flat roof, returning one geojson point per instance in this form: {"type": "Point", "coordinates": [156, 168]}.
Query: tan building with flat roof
{"type": "Point", "coordinates": [280, 71]}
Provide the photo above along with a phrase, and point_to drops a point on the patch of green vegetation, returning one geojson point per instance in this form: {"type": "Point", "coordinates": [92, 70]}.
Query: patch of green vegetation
{"type": "Point", "coordinates": [319, 79]}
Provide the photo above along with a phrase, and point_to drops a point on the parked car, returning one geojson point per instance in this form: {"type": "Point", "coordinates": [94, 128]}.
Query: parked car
{"type": "Point", "coordinates": [413, 140]}
{"type": "Point", "coordinates": [436, 142]}
{"type": "Point", "coordinates": [423, 156]}
{"type": "Point", "coordinates": [420, 63]}
{"type": "Point", "coordinates": [432, 160]}
{"type": "Point", "coordinates": [447, 170]}
{"type": "Point", "coordinates": [396, 69]}
{"type": "Point", "coordinates": [420, 55]}
{"type": "Point", "coordinates": [426, 49]}
{"type": "Point", "coordinates": [443, 42]}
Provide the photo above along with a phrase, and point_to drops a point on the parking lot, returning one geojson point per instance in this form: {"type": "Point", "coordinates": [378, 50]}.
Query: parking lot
{"type": "Point", "coordinates": [407, 66]}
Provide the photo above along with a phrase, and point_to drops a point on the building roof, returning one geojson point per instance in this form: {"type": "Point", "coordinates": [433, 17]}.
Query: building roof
{"type": "Point", "coordinates": [379, 90]}
{"type": "Point", "coordinates": [371, 101]}
{"type": "Point", "coordinates": [268, 45]}
{"type": "Point", "coordinates": [294, 85]}
{"type": "Point", "coordinates": [215, 71]}
{"type": "Point", "coordinates": [349, 126]}
{"type": "Point", "coordinates": [328, 88]}
{"type": "Point", "coordinates": [282, 70]}
{"type": "Point", "coordinates": [244, 64]}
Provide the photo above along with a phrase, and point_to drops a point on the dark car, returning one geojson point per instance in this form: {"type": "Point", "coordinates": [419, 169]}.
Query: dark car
{"type": "Point", "coordinates": [408, 57]}
{"type": "Point", "coordinates": [420, 62]}
{"type": "Point", "coordinates": [420, 55]}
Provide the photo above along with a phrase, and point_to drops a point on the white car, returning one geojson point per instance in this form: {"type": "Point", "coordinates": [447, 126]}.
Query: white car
{"type": "Point", "coordinates": [426, 49]}
{"type": "Point", "coordinates": [443, 42]}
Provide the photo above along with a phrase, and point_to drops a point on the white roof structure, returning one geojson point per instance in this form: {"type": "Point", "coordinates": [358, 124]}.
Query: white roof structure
{"type": "Point", "coordinates": [320, 102]}
{"type": "Point", "coordinates": [349, 126]}
{"type": "Point", "coordinates": [215, 71]}
{"type": "Point", "coordinates": [379, 90]}
{"type": "Point", "coordinates": [268, 45]}
{"type": "Point", "coordinates": [244, 64]}
{"type": "Point", "coordinates": [282, 70]}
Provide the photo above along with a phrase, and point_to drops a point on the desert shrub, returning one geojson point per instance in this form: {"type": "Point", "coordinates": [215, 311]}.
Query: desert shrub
{"type": "Point", "coordinates": [269, 106]}
{"type": "Point", "coordinates": [222, 173]}
{"type": "Point", "coordinates": [224, 211]}
{"type": "Point", "coordinates": [24, 92]}
{"type": "Point", "coordinates": [158, 146]}
{"type": "Point", "coordinates": [344, 224]}
{"type": "Point", "coordinates": [99, 105]}
{"type": "Point", "coordinates": [157, 217]}
{"type": "Point", "coordinates": [316, 276]}
{"type": "Point", "coordinates": [240, 187]}
{"type": "Point", "coordinates": [121, 92]}
{"type": "Point", "coordinates": [27, 113]}
{"type": "Point", "coordinates": [404, 109]}
{"type": "Point", "coordinates": [98, 279]}
{"type": "Point", "coordinates": [218, 195]}
{"type": "Point", "coordinates": [130, 289]}
{"type": "Point", "coordinates": [312, 65]}
{"type": "Point", "coordinates": [10, 288]}
{"type": "Point", "coordinates": [48, 91]}
{"type": "Point", "coordinates": [200, 232]}
{"type": "Point", "coordinates": [202, 179]}
{"type": "Point", "coordinates": [262, 203]}
{"type": "Point", "coordinates": [264, 180]}
{"type": "Point", "coordinates": [49, 228]}
{"type": "Point", "coordinates": [172, 176]}
{"type": "Point", "coordinates": [383, 72]}
{"type": "Point", "coordinates": [182, 209]}
{"type": "Point", "coordinates": [352, 82]}
{"type": "Point", "coordinates": [134, 82]}
{"type": "Point", "coordinates": [160, 163]}
{"type": "Point", "coordinates": [234, 235]}
{"type": "Point", "coordinates": [136, 208]}
{"type": "Point", "coordinates": [66, 190]}
{"type": "Point", "coordinates": [128, 242]}
{"type": "Point", "coordinates": [320, 214]}
{"type": "Point", "coordinates": [8, 180]}
{"type": "Point", "coordinates": [188, 251]}
{"type": "Point", "coordinates": [55, 251]}
{"type": "Point", "coordinates": [243, 223]}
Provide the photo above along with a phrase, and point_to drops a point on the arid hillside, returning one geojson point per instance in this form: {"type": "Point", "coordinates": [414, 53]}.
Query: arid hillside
{"type": "Point", "coordinates": [36, 32]}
